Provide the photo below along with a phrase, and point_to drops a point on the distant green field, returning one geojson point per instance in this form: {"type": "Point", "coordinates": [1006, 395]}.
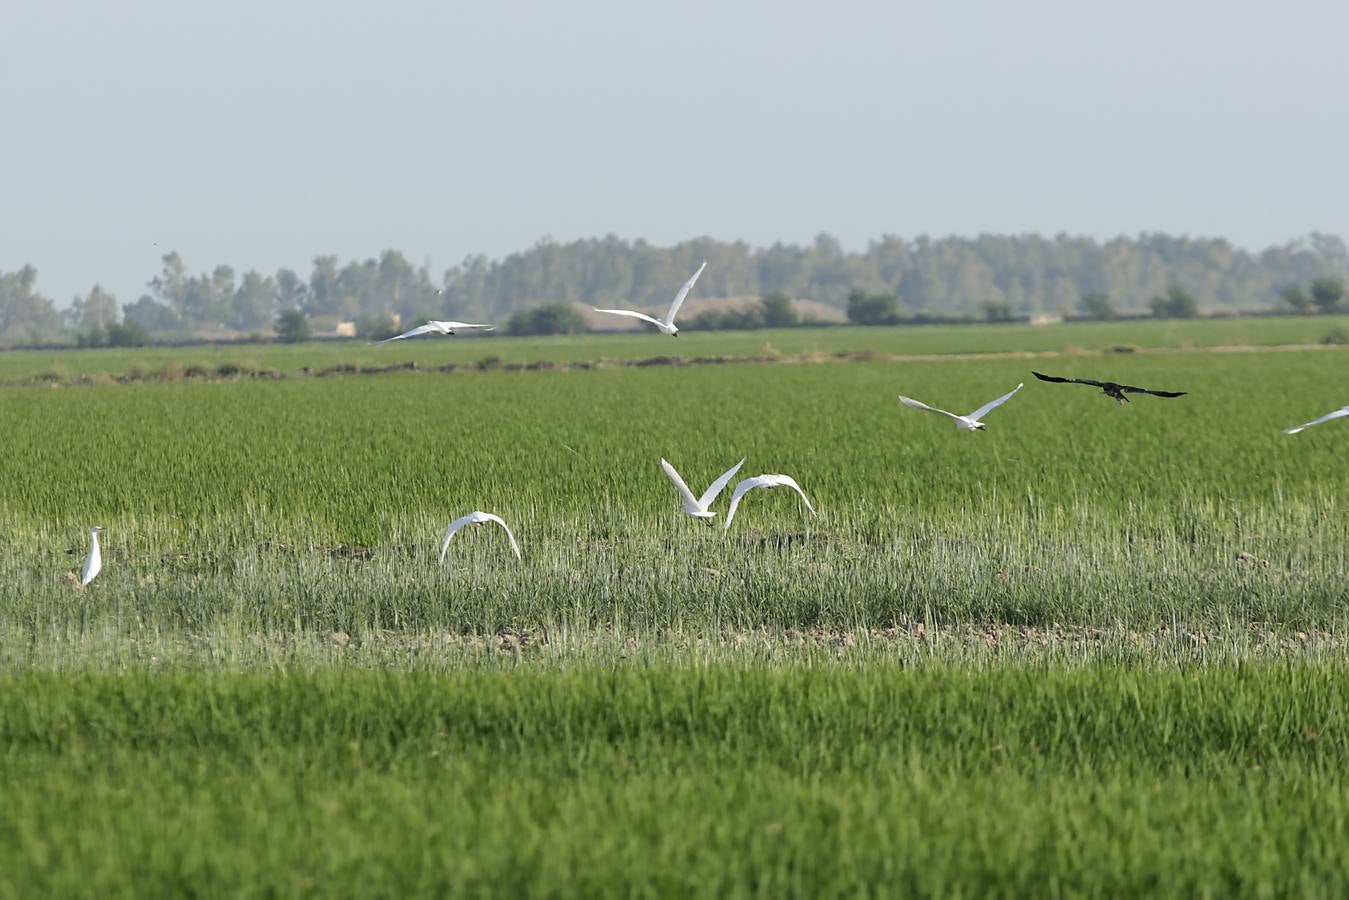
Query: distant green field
{"type": "Point", "coordinates": [1095, 649]}
{"type": "Point", "coordinates": [901, 341]}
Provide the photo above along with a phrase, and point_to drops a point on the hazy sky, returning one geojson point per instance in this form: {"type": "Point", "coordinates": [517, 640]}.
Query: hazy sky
{"type": "Point", "coordinates": [261, 133]}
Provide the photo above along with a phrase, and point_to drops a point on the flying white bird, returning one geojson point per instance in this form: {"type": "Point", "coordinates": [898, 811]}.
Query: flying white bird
{"type": "Point", "coordinates": [698, 507]}
{"type": "Point", "coordinates": [1337, 414]}
{"type": "Point", "coordinates": [475, 518]}
{"type": "Point", "coordinates": [964, 423]}
{"type": "Point", "coordinates": [666, 322]}
{"type": "Point", "coordinates": [94, 561]}
{"type": "Point", "coordinates": [763, 481]}
{"type": "Point", "coordinates": [437, 327]}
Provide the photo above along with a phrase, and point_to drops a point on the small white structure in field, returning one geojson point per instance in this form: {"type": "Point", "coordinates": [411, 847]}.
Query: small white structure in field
{"type": "Point", "coordinates": [665, 323]}
{"type": "Point", "coordinates": [698, 506]}
{"type": "Point", "coordinates": [475, 518]}
{"type": "Point", "coordinates": [763, 481]}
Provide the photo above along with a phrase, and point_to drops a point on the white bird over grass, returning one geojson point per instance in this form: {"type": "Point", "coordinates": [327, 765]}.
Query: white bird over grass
{"type": "Point", "coordinates": [964, 423]}
{"type": "Point", "coordinates": [94, 561]}
{"type": "Point", "coordinates": [1337, 414]}
{"type": "Point", "coordinates": [698, 506]}
{"type": "Point", "coordinates": [763, 481]}
{"type": "Point", "coordinates": [437, 327]}
{"type": "Point", "coordinates": [666, 322]}
{"type": "Point", "coordinates": [475, 518]}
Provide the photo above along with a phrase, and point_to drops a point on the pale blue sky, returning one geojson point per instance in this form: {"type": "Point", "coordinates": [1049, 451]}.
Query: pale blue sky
{"type": "Point", "coordinates": [262, 133]}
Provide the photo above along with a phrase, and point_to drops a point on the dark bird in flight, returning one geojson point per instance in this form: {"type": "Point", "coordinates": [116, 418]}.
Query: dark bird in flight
{"type": "Point", "coordinates": [1112, 390]}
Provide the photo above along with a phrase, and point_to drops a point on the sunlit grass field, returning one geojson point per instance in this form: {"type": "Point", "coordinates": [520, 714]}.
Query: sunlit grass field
{"type": "Point", "coordinates": [1095, 649]}
{"type": "Point", "coordinates": [320, 503]}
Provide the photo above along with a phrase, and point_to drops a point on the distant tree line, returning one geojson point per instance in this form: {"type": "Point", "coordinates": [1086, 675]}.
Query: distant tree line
{"type": "Point", "coordinates": [939, 278]}
{"type": "Point", "coordinates": [924, 279]}
{"type": "Point", "coordinates": [1323, 295]}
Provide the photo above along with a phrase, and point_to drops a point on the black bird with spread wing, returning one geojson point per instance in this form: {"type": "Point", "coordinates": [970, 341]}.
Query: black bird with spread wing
{"type": "Point", "coordinates": [1112, 390]}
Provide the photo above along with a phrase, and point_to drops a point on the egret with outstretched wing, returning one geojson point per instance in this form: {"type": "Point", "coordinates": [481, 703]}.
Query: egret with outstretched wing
{"type": "Point", "coordinates": [665, 323]}
{"type": "Point", "coordinates": [964, 423]}
{"type": "Point", "coordinates": [437, 327]}
{"type": "Point", "coordinates": [698, 506]}
{"type": "Point", "coordinates": [763, 481]}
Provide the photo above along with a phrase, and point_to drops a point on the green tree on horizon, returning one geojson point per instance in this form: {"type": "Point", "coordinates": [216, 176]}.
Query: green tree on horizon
{"type": "Point", "coordinates": [292, 326]}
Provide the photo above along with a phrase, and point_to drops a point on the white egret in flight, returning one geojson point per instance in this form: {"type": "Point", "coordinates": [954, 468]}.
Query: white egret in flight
{"type": "Point", "coordinates": [666, 322]}
{"type": "Point", "coordinates": [964, 423]}
{"type": "Point", "coordinates": [698, 507]}
{"type": "Point", "coordinates": [437, 327]}
{"type": "Point", "coordinates": [475, 518]}
{"type": "Point", "coordinates": [763, 481]}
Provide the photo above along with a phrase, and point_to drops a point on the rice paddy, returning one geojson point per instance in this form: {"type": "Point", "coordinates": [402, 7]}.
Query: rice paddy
{"type": "Point", "coordinates": [231, 360]}
{"type": "Point", "coordinates": [1097, 648]}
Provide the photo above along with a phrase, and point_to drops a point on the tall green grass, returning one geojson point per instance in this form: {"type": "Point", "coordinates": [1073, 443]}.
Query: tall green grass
{"type": "Point", "coordinates": [656, 781]}
{"type": "Point", "coordinates": [320, 504]}
{"type": "Point", "coordinates": [1062, 657]}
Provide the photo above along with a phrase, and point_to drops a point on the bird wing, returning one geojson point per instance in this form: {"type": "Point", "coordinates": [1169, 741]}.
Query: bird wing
{"type": "Point", "coordinates": [689, 500]}
{"type": "Point", "coordinates": [683, 292]}
{"type": "Point", "coordinates": [993, 404]}
{"type": "Point", "coordinates": [1130, 389]}
{"type": "Point", "coordinates": [488, 517]}
{"type": "Point", "coordinates": [759, 481]}
{"type": "Point", "coordinates": [789, 481]}
{"type": "Point", "coordinates": [715, 488]}
{"type": "Point", "coordinates": [630, 314]}
{"type": "Point", "coordinates": [452, 327]}
{"type": "Point", "coordinates": [1337, 414]}
{"type": "Point", "coordinates": [1067, 380]}
{"type": "Point", "coordinates": [449, 533]}
{"type": "Point", "coordinates": [918, 404]}
{"type": "Point", "coordinates": [748, 484]}
{"type": "Point", "coordinates": [420, 329]}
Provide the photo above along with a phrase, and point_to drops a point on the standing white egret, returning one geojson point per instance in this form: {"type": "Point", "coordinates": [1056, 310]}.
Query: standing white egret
{"type": "Point", "coordinates": [1337, 414]}
{"type": "Point", "coordinates": [94, 561]}
{"type": "Point", "coordinates": [666, 322]}
{"type": "Point", "coordinates": [763, 481]}
{"type": "Point", "coordinates": [964, 423]}
{"type": "Point", "coordinates": [698, 507]}
{"type": "Point", "coordinates": [438, 327]}
{"type": "Point", "coordinates": [476, 518]}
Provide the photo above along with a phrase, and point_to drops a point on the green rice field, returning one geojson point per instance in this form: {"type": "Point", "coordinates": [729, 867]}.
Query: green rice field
{"type": "Point", "coordinates": [1075, 338]}
{"type": "Point", "coordinates": [1096, 649]}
